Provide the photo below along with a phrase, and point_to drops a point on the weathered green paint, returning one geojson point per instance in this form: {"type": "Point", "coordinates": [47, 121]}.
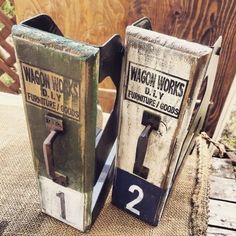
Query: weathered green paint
{"type": "Point", "coordinates": [57, 72]}
{"type": "Point", "coordinates": [74, 152]}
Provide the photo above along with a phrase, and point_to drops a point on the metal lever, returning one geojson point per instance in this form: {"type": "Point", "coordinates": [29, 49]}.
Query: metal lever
{"type": "Point", "coordinates": [55, 126]}
{"type": "Point", "coordinates": [151, 121]}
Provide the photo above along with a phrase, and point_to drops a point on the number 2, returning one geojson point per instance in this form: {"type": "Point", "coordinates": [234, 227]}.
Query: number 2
{"type": "Point", "coordinates": [130, 205]}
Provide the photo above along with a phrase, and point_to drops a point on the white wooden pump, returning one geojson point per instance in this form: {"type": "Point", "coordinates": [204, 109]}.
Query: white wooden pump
{"type": "Point", "coordinates": [165, 92]}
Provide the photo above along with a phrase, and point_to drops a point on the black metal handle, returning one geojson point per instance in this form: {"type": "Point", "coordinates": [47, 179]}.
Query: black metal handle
{"type": "Point", "coordinates": [47, 153]}
{"type": "Point", "coordinates": [55, 125]}
{"type": "Point", "coordinates": [49, 160]}
{"type": "Point", "coordinates": [151, 121]}
{"type": "Point", "coordinates": [141, 150]}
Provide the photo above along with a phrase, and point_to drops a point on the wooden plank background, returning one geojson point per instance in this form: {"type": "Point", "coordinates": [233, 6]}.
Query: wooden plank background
{"type": "Point", "coordinates": [200, 21]}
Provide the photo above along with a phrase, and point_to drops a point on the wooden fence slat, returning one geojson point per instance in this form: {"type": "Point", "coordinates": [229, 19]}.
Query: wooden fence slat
{"type": "Point", "coordinates": [6, 57]}
{"type": "Point", "coordinates": [15, 87]}
{"type": "Point", "coordinates": [1, 2]}
{"type": "Point", "coordinates": [223, 189]}
{"type": "Point", "coordinates": [8, 48]}
{"type": "Point", "coordinates": [10, 61]}
{"type": "Point", "coordinates": [5, 88]}
{"type": "Point", "coordinates": [6, 20]}
{"type": "Point", "coordinates": [222, 168]}
{"type": "Point", "coordinates": [5, 32]}
{"type": "Point", "coordinates": [222, 214]}
{"type": "Point", "coordinates": [13, 19]}
{"type": "Point", "coordinates": [7, 53]}
{"type": "Point", "coordinates": [213, 231]}
{"type": "Point", "coordinates": [9, 71]}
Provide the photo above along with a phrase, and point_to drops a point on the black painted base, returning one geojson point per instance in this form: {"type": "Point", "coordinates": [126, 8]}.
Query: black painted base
{"type": "Point", "coordinates": [136, 196]}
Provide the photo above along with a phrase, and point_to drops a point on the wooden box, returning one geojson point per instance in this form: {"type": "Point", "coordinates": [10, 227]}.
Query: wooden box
{"type": "Point", "coordinates": [163, 78]}
{"type": "Point", "coordinates": [59, 80]}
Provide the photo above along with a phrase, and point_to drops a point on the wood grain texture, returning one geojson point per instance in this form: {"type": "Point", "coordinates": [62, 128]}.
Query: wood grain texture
{"type": "Point", "coordinates": [90, 21]}
{"type": "Point", "coordinates": [223, 189]}
{"type": "Point", "coordinates": [200, 21]}
{"type": "Point", "coordinates": [222, 168]}
{"type": "Point", "coordinates": [106, 98]}
{"type": "Point", "coordinates": [222, 214]}
{"type": "Point", "coordinates": [214, 231]}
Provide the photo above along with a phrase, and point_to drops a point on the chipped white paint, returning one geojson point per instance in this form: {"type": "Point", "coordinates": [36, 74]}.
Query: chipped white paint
{"type": "Point", "coordinates": [178, 61]}
{"type": "Point", "coordinates": [223, 189]}
{"type": "Point", "coordinates": [51, 204]}
{"type": "Point", "coordinates": [222, 214]}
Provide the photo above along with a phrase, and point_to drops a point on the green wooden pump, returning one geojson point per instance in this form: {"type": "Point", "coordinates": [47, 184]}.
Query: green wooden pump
{"type": "Point", "coordinates": [73, 159]}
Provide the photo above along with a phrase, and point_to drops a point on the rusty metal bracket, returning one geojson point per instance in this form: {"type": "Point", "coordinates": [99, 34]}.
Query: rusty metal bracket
{"type": "Point", "coordinates": [55, 126]}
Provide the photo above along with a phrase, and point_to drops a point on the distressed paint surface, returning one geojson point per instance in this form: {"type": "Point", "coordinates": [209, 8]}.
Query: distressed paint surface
{"type": "Point", "coordinates": [74, 148]}
{"type": "Point", "coordinates": [172, 58]}
{"type": "Point", "coordinates": [222, 214]}
{"type": "Point", "coordinates": [162, 76]}
{"type": "Point", "coordinates": [51, 203]}
{"type": "Point", "coordinates": [51, 91]}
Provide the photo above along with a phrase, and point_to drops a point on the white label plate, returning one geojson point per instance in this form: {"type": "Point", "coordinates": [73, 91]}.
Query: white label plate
{"type": "Point", "coordinates": [53, 205]}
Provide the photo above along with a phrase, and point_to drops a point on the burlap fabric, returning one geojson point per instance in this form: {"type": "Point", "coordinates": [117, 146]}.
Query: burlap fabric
{"type": "Point", "coordinates": [19, 204]}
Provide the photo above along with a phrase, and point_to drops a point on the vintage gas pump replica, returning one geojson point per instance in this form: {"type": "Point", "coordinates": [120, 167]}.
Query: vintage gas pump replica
{"type": "Point", "coordinates": [165, 92]}
{"type": "Point", "coordinates": [74, 161]}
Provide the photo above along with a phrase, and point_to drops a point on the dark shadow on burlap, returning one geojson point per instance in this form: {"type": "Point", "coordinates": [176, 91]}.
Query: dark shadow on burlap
{"type": "Point", "coordinates": [19, 202]}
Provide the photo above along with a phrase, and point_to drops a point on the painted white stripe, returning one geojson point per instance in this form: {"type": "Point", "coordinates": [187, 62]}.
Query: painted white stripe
{"type": "Point", "coordinates": [52, 203]}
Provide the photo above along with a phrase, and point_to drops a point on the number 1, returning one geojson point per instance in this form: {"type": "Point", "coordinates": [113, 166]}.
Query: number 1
{"type": "Point", "coordinates": [63, 208]}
